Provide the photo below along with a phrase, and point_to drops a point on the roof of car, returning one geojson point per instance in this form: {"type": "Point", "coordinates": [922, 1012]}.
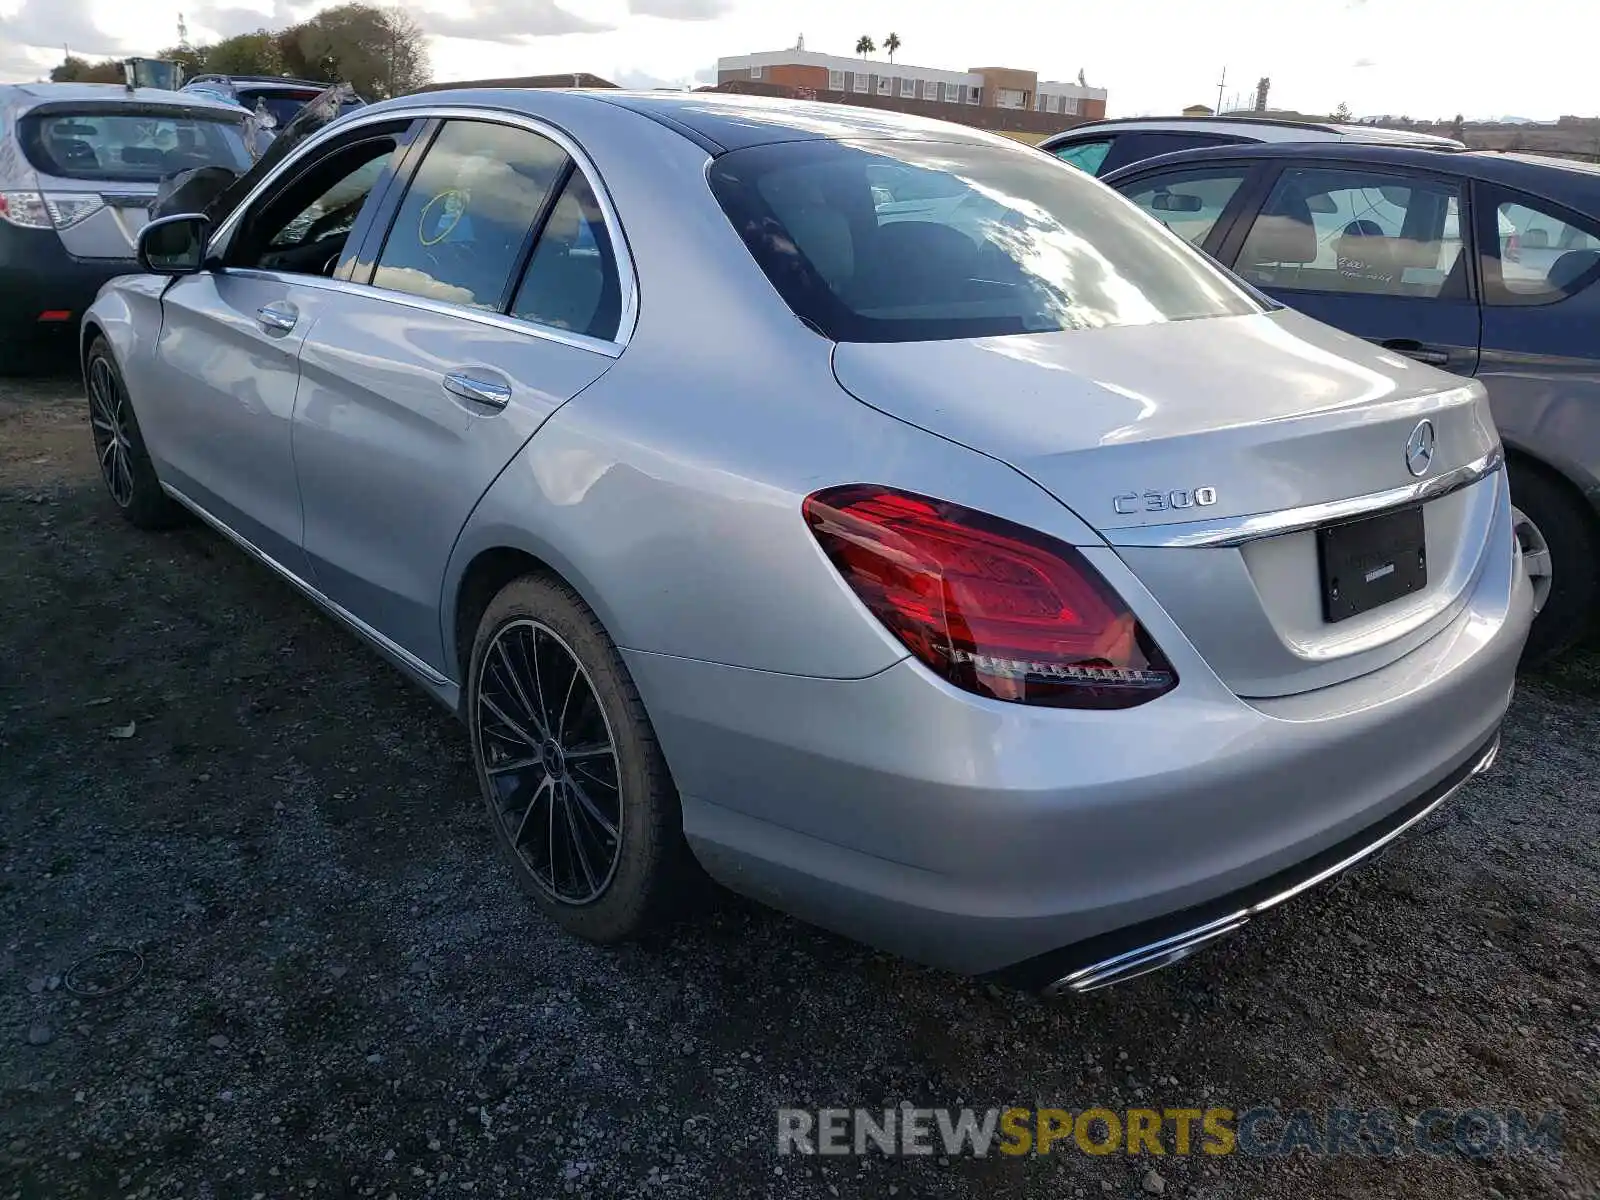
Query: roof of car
{"type": "Point", "coordinates": [720, 121]}
{"type": "Point", "coordinates": [1275, 129]}
{"type": "Point", "coordinates": [29, 95]}
{"type": "Point", "coordinates": [1574, 184]}
{"type": "Point", "coordinates": [260, 81]}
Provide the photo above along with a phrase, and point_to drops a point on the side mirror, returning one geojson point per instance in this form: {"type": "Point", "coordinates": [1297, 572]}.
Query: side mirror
{"type": "Point", "coordinates": [174, 245]}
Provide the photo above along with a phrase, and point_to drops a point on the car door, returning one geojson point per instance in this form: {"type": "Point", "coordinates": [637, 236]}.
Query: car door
{"type": "Point", "coordinates": [1383, 252]}
{"type": "Point", "coordinates": [498, 292]}
{"type": "Point", "coordinates": [227, 359]}
{"type": "Point", "coordinates": [1541, 354]}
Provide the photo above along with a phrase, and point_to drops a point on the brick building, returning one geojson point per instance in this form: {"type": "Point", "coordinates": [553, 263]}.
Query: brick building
{"type": "Point", "coordinates": [997, 93]}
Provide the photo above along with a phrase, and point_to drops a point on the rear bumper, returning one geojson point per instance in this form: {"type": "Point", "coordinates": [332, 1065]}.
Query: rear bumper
{"type": "Point", "coordinates": [980, 836]}
{"type": "Point", "coordinates": [37, 274]}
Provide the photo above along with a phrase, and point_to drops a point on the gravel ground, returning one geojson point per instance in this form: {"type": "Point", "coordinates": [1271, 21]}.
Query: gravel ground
{"type": "Point", "coordinates": [343, 994]}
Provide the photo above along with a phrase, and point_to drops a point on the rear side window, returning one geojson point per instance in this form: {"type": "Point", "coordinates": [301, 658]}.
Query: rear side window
{"type": "Point", "coordinates": [462, 226]}
{"type": "Point", "coordinates": [1358, 230]}
{"type": "Point", "coordinates": [1544, 257]}
{"type": "Point", "coordinates": [572, 282]}
{"type": "Point", "coordinates": [1005, 242]}
{"type": "Point", "coordinates": [130, 144]}
{"type": "Point", "coordinates": [1086, 156]}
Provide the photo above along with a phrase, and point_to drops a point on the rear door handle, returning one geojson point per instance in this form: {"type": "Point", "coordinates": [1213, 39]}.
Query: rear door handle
{"type": "Point", "coordinates": [479, 391]}
{"type": "Point", "coordinates": [277, 318]}
{"type": "Point", "coordinates": [1416, 350]}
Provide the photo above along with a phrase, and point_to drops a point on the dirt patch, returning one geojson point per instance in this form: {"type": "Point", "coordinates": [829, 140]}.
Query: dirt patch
{"type": "Point", "coordinates": [342, 993]}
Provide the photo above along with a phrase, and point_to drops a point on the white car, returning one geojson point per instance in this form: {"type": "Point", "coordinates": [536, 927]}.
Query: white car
{"type": "Point", "coordinates": [1100, 147]}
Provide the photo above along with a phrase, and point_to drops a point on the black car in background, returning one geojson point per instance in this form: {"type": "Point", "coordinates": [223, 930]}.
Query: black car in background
{"type": "Point", "coordinates": [1486, 264]}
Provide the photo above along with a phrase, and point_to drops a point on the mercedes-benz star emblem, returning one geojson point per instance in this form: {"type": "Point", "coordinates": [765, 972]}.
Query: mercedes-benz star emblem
{"type": "Point", "coordinates": [1419, 448]}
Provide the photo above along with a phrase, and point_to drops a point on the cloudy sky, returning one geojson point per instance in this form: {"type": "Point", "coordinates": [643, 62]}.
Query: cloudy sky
{"type": "Point", "coordinates": [1421, 57]}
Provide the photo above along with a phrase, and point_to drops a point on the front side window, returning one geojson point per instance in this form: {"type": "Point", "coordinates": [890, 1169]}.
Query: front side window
{"type": "Point", "coordinates": [1358, 231]}
{"type": "Point", "coordinates": [129, 146]}
{"type": "Point", "coordinates": [1086, 156]}
{"type": "Point", "coordinates": [463, 223]}
{"type": "Point", "coordinates": [1004, 241]}
{"type": "Point", "coordinates": [305, 227]}
{"type": "Point", "coordinates": [572, 281]}
{"type": "Point", "coordinates": [1543, 257]}
{"type": "Point", "coordinates": [1189, 205]}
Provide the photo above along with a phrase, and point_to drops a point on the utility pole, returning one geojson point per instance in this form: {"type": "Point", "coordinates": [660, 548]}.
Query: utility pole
{"type": "Point", "coordinates": [1221, 83]}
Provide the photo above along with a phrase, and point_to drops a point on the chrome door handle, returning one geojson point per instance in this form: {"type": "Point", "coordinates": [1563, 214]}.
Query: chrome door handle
{"type": "Point", "coordinates": [277, 318]}
{"type": "Point", "coordinates": [479, 391]}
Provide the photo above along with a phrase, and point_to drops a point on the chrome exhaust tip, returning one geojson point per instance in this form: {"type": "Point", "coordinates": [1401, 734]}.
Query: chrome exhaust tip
{"type": "Point", "coordinates": [1153, 956]}
{"type": "Point", "coordinates": [1144, 960]}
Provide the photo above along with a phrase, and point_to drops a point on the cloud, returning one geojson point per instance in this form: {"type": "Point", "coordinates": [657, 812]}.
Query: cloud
{"type": "Point", "coordinates": [1365, 62]}
{"type": "Point", "coordinates": [642, 81]}
{"type": "Point", "coordinates": [57, 22]}
{"type": "Point", "coordinates": [507, 21]}
{"type": "Point", "coordinates": [213, 22]}
{"type": "Point", "coordinates": [680, 10]}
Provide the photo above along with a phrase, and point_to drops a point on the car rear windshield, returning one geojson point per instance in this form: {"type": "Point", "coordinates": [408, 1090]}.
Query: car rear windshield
{"type": "Point", "coordinates": [891, 241]}
{"type": "Point", "coordinates": [285, 106]}
{"type": "Point", "coordinates": [130, 144]}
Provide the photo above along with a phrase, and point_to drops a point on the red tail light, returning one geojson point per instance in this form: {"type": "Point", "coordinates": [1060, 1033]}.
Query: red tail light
{"type": "Point", "coordinates": [993, 607]}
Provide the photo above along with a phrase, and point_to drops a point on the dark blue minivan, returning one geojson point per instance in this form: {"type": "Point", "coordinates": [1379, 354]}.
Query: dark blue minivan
{"type": "Point", "coordinates": [1484, 264]}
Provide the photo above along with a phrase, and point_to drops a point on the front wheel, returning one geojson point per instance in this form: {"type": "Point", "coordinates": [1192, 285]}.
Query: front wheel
{"type": "Point", "coordinates": [1561, 554]}
{"type": "Point", "coordinates": [125, 464]}
{"type": "Point", "coordinates": [578, 793]}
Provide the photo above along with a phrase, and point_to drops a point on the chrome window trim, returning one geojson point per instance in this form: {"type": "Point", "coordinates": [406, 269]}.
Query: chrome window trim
{"type": "Point", "coordinates": [622, 252]}
{"type": "Point", "coordinates": [1236, 531]}
{"type": "Point", "coordinates": [462, 312]}
{"type": "Point", "coordinates": [392, 648]}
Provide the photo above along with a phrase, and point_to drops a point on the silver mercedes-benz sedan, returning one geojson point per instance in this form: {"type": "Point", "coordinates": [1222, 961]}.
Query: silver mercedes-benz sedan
{"type": "Point", "coordinates": [885, 518]}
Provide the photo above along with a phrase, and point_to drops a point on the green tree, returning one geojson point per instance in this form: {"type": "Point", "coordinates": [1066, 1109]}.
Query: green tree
{"type": "Point", "coordinates": [1342, 113]}
{"type": "Point", "coordinates": [1458, 128]}
{"type": "Point", "coordinates": [381, 52]}
{"type": "Point", "coordinates": [191, 58]}
{"type": "Point", "coordinates": [865, 45]}
{"type": "Point", "coordinates": [80, 70]}
{"type": "Point", "coordinates": [245, 54]}
{"type": "Point", "coordinates": [890, 45]}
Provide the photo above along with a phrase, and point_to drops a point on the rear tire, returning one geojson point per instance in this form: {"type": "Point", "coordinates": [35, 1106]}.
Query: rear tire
{"type": "Point", "coordinates": [1566, 527]}
{"type": "Point", "coordinates": [577, 791]}
{"type": "Point", "coordinates": [125, 466]}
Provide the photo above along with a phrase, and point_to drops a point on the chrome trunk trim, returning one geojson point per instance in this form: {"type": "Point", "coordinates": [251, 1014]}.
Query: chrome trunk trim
{"type": "Point", "coordinates": [1236, 531]}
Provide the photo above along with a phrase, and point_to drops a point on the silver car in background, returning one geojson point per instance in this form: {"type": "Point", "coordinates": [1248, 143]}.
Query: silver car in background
{"type": "Point", "coordinates": [80, 164]}
{"type": "Point", "coordinates": [1009, 588]}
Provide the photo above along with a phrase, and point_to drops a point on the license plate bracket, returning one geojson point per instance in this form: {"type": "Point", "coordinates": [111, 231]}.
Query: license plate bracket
{"type": "Point", "coordinates": [1371, 561]}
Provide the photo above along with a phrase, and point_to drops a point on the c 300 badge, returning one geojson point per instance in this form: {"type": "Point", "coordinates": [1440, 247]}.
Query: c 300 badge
{"type": "Point", "coordinates": [1158, 502]}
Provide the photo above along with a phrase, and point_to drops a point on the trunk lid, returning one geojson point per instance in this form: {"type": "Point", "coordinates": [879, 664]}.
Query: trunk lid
{"type": "Point", "coordinates": [1144, 431]}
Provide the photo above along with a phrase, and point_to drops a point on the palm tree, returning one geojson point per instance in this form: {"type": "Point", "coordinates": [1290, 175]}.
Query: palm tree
{"type": "Point", "coordinates": [891, 44]}
{"type": "Point", "coordinates": [865, 45]}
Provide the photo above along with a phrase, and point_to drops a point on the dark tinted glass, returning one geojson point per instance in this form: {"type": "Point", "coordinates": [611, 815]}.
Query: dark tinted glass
{"type": "Point", "coordinates": [572, 282]}
{"type": "Point", "coordinates": [999, 241]}
{"type": "Point", "coordinates": [467, 215]}
{"type": "Point", "coordinates": [129, 146]}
